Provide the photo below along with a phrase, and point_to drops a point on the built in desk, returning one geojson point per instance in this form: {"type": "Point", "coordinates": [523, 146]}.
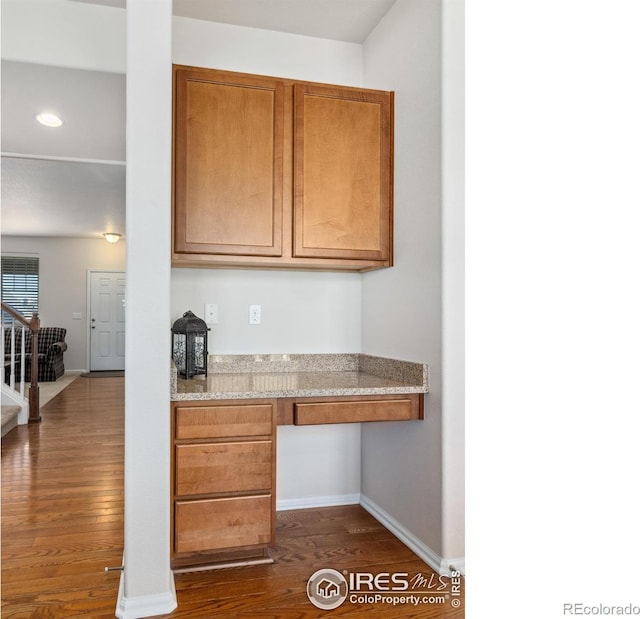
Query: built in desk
{"type": "Point", "coordinates": [224, 439]}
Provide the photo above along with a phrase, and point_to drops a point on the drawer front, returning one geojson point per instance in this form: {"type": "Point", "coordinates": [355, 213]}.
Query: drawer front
{"type": "Point", "coordinates": [194, 422]}
{"type": "Point", "coordinates": [223, 467]}
{"type": "Point", "coordinates": [306, 414]}
{"type": "Point", "coordinates": [217, 524]}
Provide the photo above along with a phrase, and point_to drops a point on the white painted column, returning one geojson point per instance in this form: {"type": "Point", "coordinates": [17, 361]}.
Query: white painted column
{"type": "Point", "coordinates": [453, 283]}
{"type": "Point", "coordinates": [147, 586]}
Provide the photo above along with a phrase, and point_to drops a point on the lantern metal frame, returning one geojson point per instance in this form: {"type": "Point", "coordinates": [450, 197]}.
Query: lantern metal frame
{"type": "Point", "coordinates": [189, 345]}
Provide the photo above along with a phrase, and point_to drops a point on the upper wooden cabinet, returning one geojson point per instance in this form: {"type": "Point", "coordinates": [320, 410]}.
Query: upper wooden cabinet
{"type": "Point", "coordinates": [270, 172]}
{"type": "Point", "coordinates": [342, 163]}
{"type": "Point", "coordinates": [228, 144]}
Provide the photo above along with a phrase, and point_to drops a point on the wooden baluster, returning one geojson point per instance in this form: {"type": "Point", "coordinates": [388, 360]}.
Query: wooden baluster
{"type": "Point", "coordinates": [34, 389]}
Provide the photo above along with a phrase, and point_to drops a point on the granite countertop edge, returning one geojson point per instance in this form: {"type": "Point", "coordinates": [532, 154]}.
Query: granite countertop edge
{"type": "Point", "coordinates": [396, 377]}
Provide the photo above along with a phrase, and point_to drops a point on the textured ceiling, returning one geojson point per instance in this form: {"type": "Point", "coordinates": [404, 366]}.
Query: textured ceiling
{"type": "Point", "coordinates": [59, 198]}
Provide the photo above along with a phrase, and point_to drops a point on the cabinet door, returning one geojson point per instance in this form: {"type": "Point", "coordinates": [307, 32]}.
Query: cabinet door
{"type": "Point", "coordinates": [342, 169]}
{"type": "Point", "coordinates": [228, 149]}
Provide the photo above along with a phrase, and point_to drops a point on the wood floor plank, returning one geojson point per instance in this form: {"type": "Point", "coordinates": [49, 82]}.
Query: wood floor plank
{"type": "Point", "coordinates": [63, 523]}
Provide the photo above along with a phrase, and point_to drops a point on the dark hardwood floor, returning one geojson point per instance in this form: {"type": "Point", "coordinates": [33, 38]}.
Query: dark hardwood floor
{"type": "Point", "coordinates": [62, 505]}
{"type": "Point", "coordinates": [62, 524]}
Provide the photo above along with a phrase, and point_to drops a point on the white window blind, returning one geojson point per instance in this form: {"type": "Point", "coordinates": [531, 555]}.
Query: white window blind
{"type": "Point", "coordinates": [20, 282]}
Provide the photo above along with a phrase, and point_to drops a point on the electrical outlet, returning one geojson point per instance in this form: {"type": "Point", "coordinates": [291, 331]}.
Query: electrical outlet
{"type": "Point", "coordinates": [211, 313]}
{"type": "Point", "coordinates": [255, 314]}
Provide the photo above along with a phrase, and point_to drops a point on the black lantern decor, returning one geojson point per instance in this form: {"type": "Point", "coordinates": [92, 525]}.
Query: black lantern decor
{"type": "Point", "coordinates": [189, 345]}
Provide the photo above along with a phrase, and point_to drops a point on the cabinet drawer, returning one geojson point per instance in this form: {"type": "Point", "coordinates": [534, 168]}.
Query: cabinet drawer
{"type": "Point", "coordinates": [223, 467]}
{"type": "Point", "coordinates": [193, 422]}
{"type": "Point", "coordinates": [306, 414]}
{"type": "Point", "coordinates": [217, 524]}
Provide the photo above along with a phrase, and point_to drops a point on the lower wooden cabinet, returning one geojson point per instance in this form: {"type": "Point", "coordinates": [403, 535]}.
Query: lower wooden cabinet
{"type": "Point", "coordinates": [223, 467]}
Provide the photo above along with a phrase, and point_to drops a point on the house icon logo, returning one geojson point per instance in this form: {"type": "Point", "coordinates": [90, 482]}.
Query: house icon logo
{"type": "Point", "coordinates": [327, 589]}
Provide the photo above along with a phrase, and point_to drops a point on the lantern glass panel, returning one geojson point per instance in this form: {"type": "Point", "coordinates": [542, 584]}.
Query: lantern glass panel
{"type": "Point", "coordinates": [197, 351]}
{"type": "Point", "coordinates": [180, 352]}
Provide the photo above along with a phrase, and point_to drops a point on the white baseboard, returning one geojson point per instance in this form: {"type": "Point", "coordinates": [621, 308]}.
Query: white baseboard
{"type": "Point", "coordinates": [317, 501]}
{"type": "Point", "coordinates": [440, 565]}
{"type": "Point", "coordinates": [145, 605]}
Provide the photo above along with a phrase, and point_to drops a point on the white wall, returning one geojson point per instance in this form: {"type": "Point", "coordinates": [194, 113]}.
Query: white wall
{"type": "Point", "coordinates": [402, 463]}
{"type": "Point", "coordinates": [302, 312]}
{"type": "Point", "coordinates": [63, 282]}
{"type": "Point", "coordinates": [65, 34]}
{"type": "Point", "coordinates": [265, 52]}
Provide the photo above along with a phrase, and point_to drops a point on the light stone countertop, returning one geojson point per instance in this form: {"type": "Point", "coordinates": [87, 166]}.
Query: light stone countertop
{"type": "Point", "coordinates": [287, 376]}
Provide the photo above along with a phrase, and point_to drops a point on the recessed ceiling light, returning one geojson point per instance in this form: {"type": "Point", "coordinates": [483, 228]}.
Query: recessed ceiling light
{"type": "Point", "coordinates": [48, 120]}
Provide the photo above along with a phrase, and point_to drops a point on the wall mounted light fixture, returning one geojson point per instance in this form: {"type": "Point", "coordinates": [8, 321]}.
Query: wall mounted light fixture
{"type": "Point", "coordinates": [111, 237]}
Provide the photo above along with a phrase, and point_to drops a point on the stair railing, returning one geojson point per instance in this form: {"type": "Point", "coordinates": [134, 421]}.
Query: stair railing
{"type": "Point", "coordinates": [33, 325]}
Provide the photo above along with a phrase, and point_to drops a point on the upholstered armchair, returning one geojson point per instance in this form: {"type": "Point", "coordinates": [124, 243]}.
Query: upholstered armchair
{"type": "Point", "coordinates": [51, 348]}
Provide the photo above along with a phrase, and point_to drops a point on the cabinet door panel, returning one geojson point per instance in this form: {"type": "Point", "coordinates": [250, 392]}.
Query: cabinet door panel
{"type": "Point", "coordinates": [228, 144]}
{"type": "Point", "coordinates": [342, 162]}
{"type": "Point", "coordinates": [212, 468]}
{"type": "Point", "coordinates": [216, 524]}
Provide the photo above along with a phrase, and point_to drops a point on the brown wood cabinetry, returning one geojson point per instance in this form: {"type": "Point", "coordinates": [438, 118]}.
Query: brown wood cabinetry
{"type": "Point", "coordinates": [209, 525]}
{"type": "Point", "coordinates": [223, 481]}
{"type": "Point", "coordinates": [223, 468]}
{"type": "Point", "coordinates": [314, 413]}
{"type": "Point", "coordinates": [228, 145]}
{"type": "Point", "coordinates": [342, 163]}
{"type": "Point", "coordinates": [271, 172]}
{"type": "Point", "coordinates": [350, 409]}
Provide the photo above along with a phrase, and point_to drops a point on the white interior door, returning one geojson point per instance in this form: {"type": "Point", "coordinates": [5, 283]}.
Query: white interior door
{"type": "Point", "coordinates": [106, 316]}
